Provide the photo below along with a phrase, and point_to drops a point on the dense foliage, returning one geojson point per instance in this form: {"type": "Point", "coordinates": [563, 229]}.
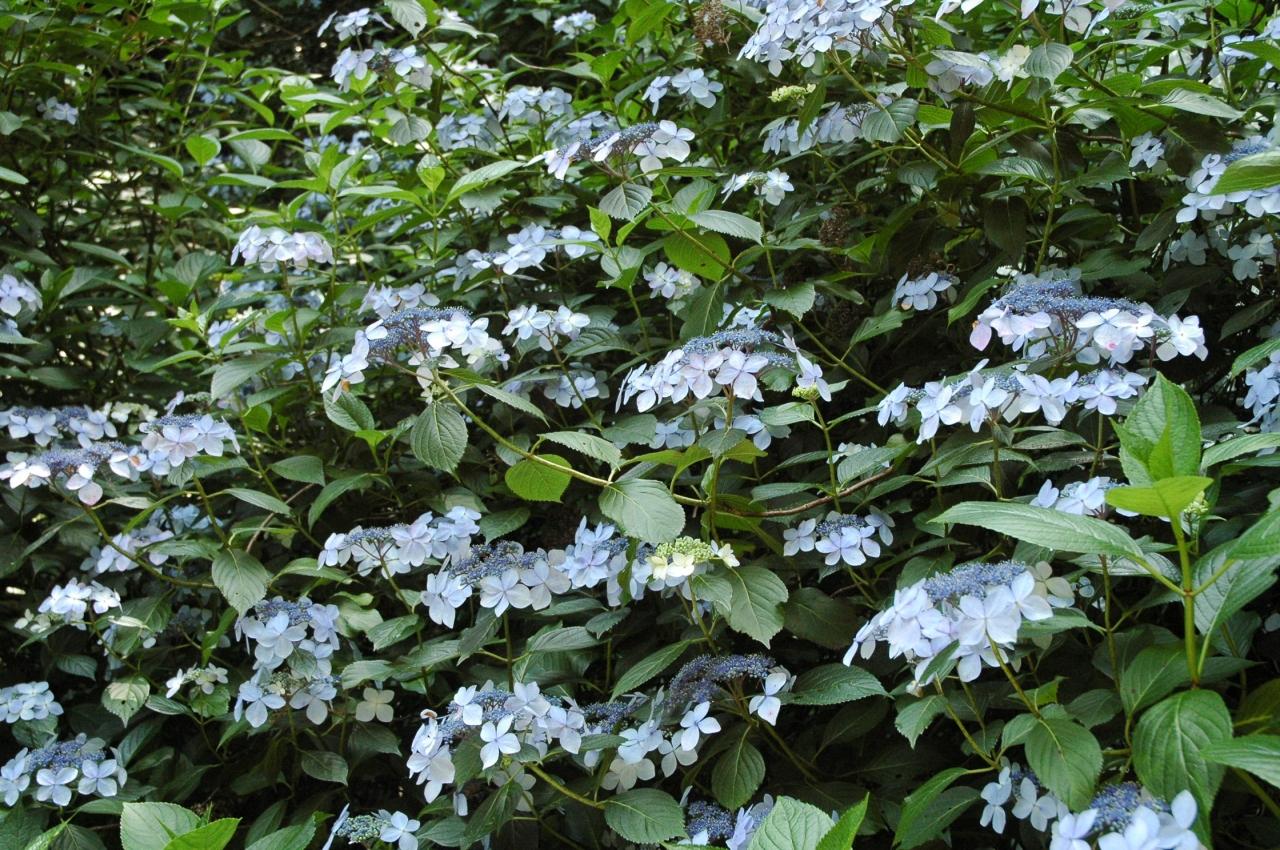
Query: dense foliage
{"type": "Point", "coordinates": [740, 424]}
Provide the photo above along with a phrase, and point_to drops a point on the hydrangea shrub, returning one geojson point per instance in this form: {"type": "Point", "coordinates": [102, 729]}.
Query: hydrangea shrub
{"type": "Point", "coordinates": [756, 424]}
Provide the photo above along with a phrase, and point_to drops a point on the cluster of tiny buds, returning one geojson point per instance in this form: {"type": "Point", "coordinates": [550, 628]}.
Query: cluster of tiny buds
{"type": "Point", "coordinates": [699, 680]}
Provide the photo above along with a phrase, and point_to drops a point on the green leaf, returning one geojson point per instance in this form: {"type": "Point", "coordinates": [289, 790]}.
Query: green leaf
{"type": "Point", "coordinates": [1261, 540]}
{"type": "Point", "coordinates": [791, 825]}
{"type": "Point", "coordinates": [756, 608]}
{"type": "Point", "coordinates": [1167, 498]}
{"type": "Point", "coordinates": [481, 177]}
{"type": "Point", "coordinates": [1152, 675]}
{"type": "Point", "coordinates": [832, 684]}
{"type": "Point", "coordinates": [290, 838]}
{"type": "Point", "coordinates": [915, 718]}
{"type": "Point", "coordinates": [841, 836]}
{"type": "Point", "coordinates": [646, 17]}
{"type": "Point", "coordinates": [1259, 171]}
{"type": "Point", "coordinates": [648, 667]}
{"type": "Point", "coordinates": [409, 14]}
{"type": "Point", "coordinates": [626, 202]}
{"type": "Point", "coordinates": [729, 223]}
{"type": "Point", "coordinates": [147, 826]}
{"type": "Point", "coordinates": [230, 376]}
{"type": "Point", "coordinates": [643, 509]}
{"type": "Point", "coordinates": [1240, 583]}
{"type": "Point", "coordinates": [796, 300]}
{"type": "Point", "coordinates": [203, 148]}
{"type": "Point", "coordinates": [1200, 104]}
{"type": "Point", "coordinates": [1044, 527]}
{"type": "Point", "coordinates": [1257, 354]}
{"type": "Point", "coordinates": [1066, 758]}
{"type": "Point", "coordinates": [306, 468]}
{"type": "Point", "coordinates": [1168, 745]}
{"type": "Point", "coordinates": [914, 828]}
{"type": "Point", "coordinates": [1257, 754]}
{"type": "Point", "coordinates": [738, 773]}
{"type": "Point", "coordinates": [703, 313]}
{"type": "Point", "coordinates": [534, 481]}
{"type": "Point", "coordinates": [703, 254]}
{"type": "Point", "coordinates": [348, 413]}
{"type": "Point", "coordinates": [335, 489]}
{"type": "Point", "coordinates": [497, 809]}
{"type": "Point", "coordinates": [325, 766]}
{"type": "Point", "coordinates": [241, 578]}
{"type": "Point", "coordinates": [125, 697]}
{"type": "Point", "coordinates": [45, 840]}
{"type": "Point", "coordinates": [888, 123]}
{"type": "Point", "coordinates": [439, 437]}
{"type": "Point", "coordinates": [644, 815]}
{"type": "Point", "coordinates": [11, 176]}
{"type": "Point", "coordinates": [1235, 447]}
{"type": "Point", "coordinates": [259, 500]}
{"type": "Point", "coordinates": [589, 444]}
{"type": "Point", "coordinates": [1161, 436]}
{"type": "Point", "coordinates": [1048, 61]}
{"type": "Point", "coordinates": [816, 617]}
{"type": "Point", "coordinates": [392, 631]}
{"type": "Point", "coordinates": [600, 224]}
{"type": "Point", "coordinates": [511, 400]}
{"type": "Point", "coordinates": [212, 836]}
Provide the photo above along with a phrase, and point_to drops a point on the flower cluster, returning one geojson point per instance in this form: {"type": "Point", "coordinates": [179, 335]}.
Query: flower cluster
{"type": "Point", "coordinates": [727, 361]}
{"type": "Point", "coordinates": [274, 246]}
{"type": "Point", "coordinates": [1043, 314]}
{"type": "Point", "coordinates": [949, 70]}
{"type": "Point", "coordinates": [397, 549]}
{"type": "Point", "coordinates": [972, 613]}
{"type": "Point", "coordinates": [771, 185]}
{"type": "Point", "coordinates": [168, 443]}
{"type": "Point", "coordinates": [395, 828]}
{"type": "Point", "coordinates": [302, 635]}
{"type": "Point", "coordinates": [59, 767]}
{"type": "Point", "coordinates": [70, 604]}
{"type": "Point", "coordinates": [17, 295]}
{"type": "Point", "coordinates": [44, 425]}
{"type": "Point", "coordinates": [691, 83]}
{"type": "Point", "coordinates": [671, 283]}
{"type": "Point", "coordinates": [1082, 498]}
{"type": "Point", "coordinates": [1205, 202]}
{"type": "Point", "coordinates": [980, 396]}
{"type": "Point", "coordinates": [838, 124]}
{"type": "Point", "coordinates": [574, 25]}
{"type": "Point", "coordinates": [670, 564]}
{"type": "Point", "coordinates": [1264, 390]}
{"type": "Point", "coordinates": [546, 327]}
{"type": "Point", "coordinates": [28, 701]}
{"type": "Point", "coordinates": [528, 247]}
{"type": "Point", "coordinates": [920, 292]}
{"type": "Point", "coordinates": [709, 823]}
{"type": "Point", "coordinates": [802, 30]}
{"type": "Point", "coordinates": [55, 110]}
{"type": "Point", "coordinates": [1126, 816]}
{"type": "Point", "coordinates": [842, 538]}
{"type": "Point", "coordinates": [1032, 802]}
{"type": "Point", "coordinates": [506, 722]}
{"type": "Point", "coordinates": [386, 300]}
{"type": "Point", "coordinates": [206, 679]}
{"type": "Point", "coordinates": [652, 142]}
{"type": "Point", "coordinates": [430, 336]}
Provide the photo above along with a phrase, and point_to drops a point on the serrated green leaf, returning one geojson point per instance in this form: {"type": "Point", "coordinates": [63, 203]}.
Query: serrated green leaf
{"type": "Point", "coordinates": [644, 815]}
{"type": "Point", "coordinates": [643, 509]}
{"type": "Point", "coordinates": [439, 437]}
